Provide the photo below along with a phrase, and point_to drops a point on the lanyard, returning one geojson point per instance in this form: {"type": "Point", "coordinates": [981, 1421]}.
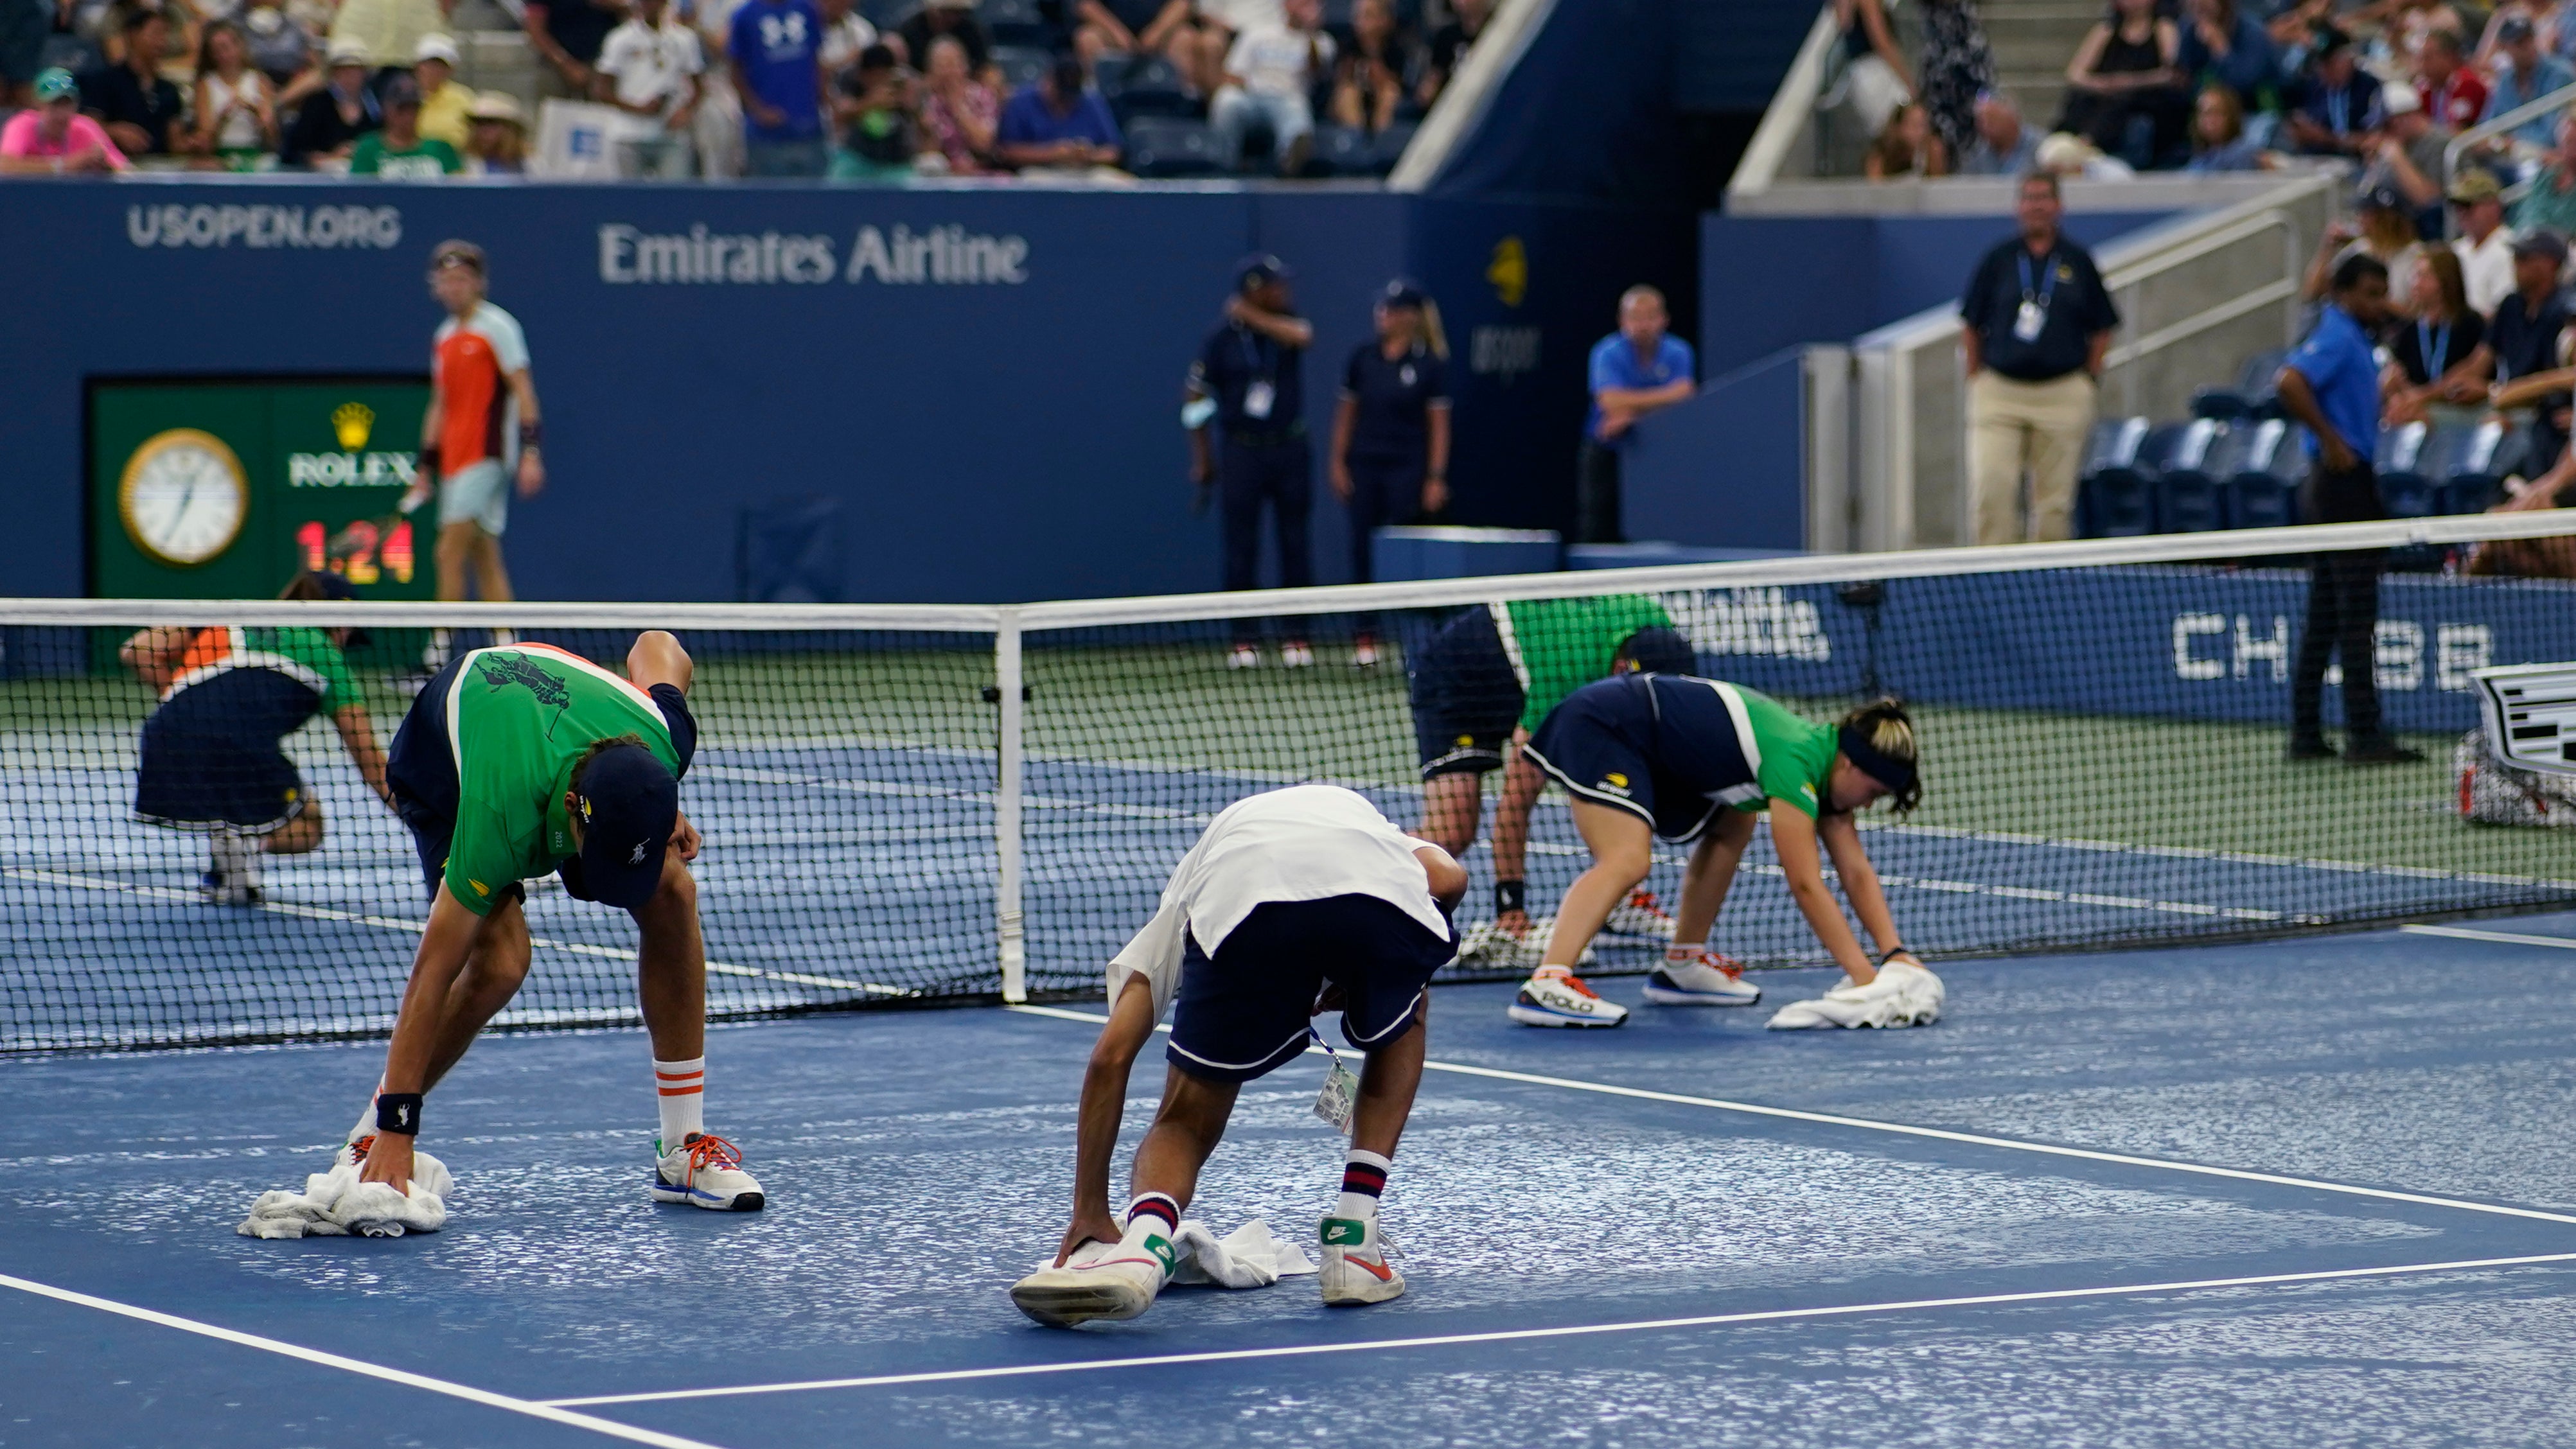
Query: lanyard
{"type": "Point", "coordinates": [1251, 352]}
{"type": "Point", "coordinates": [2434, 346]}
{"type": "Point", "coordinates": [2338, 111]}
{"type": "Point", "coordinates": [2047, 285]}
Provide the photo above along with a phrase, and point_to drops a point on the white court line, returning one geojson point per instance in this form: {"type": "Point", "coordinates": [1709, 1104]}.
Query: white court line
{"type": "Point", "coordinates": [1939, 1134]}
{"type": "Point", "coordinates": [1514, 1335]}
{"type": "Point", "coordinates": [2502, 938]}
{"type": "Point", "coordinates": [553, 1413]}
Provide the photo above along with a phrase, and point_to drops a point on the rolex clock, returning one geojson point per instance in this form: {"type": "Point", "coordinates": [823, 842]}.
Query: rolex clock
{"type": "Point", "coordinates": [184, 497]}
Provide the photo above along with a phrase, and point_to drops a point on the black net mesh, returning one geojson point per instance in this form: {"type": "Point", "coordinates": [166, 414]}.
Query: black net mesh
{"type": "Point", "coordinates": [2102, 753]}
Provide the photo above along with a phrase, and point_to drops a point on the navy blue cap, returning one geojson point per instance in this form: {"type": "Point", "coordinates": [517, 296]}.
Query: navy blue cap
{"type": "Point", "coordinates": [1261, 267]}
{"type": "Point", "coordinates": [628, 802]}
{"type": "Point", "coordinates": [1401, 293]}
{"type": "Point", "coordinates": [2382, 197]}
{"type": "Point", "coordinates": [1659, 650]}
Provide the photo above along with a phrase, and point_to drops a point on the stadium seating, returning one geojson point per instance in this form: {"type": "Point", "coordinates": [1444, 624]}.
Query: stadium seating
{"type": "Point", "coordinates": [1016, 22]}
{"type": "Point", "coordinates": [2253, 396]}
{"type": "Point", "coordinates": [1342, 151]}
{"type": "Point", "coordinates": [2405, 487]}
{"type": "Point", "coordinates": [1145, 85]}
{"type": "Point", "coordinates": [1021, 65]}
{"type": "Point", "coordinates": [1163, 146]}
{"type": "Point", "coordinates": [2115, 498]}
{"type": "Point", "coordinates": [2189, 495]}
{"type": "Point", "coordinates": [2471, 464]}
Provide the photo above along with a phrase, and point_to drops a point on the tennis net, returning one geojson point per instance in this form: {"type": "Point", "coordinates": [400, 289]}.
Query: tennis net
{"type": "Point", "coordinates": [918, 804]}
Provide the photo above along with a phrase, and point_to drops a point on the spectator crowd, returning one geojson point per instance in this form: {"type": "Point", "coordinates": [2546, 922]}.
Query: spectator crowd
{"type": "Point", "coordinates": [1097, 88]}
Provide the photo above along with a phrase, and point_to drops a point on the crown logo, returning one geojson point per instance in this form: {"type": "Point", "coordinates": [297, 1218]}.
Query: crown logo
{"type": "Point", "coordinates": [1509, 271]}
{"type": "Point", "coordinates": [353, 421]}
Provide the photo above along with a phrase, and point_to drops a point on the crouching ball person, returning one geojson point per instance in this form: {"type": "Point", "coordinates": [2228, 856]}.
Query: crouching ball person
{"type": "Point", "coordinates": [1292, 902]}
{"type": "Point", "coordinates": [1694, 761]}
{"type": "Point", "coordinates": [521, 761]}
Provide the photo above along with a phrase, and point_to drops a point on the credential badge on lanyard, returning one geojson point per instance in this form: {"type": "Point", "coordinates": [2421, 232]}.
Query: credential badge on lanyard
{"type": "Point", "coordinates": [2033, 315]}
{"type": "Point", "coordinates": [1341, 1089]}
{"type": "Point", "coordinates": [1259, 395]}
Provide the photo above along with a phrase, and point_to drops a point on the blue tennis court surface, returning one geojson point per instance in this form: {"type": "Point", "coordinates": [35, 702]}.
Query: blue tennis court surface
{"type": "Point", "coordinates": [1606, 1247]}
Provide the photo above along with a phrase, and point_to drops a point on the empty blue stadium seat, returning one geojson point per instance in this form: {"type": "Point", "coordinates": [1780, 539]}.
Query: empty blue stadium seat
{"type": "Point", "coordinates": [1021, 65]}
{"type": "Point", "coordinates": [1016, 22]}
{"type": "Point", "coordinates": [1341, 151]}
{"type": "Point", "coordinates": [1391, 143]}
{"type": "Point", "coordinates": [2266, 459]}
{"type": "Point", "coordinates": [2113, 496]}
{"type": "Point", "coordinates": [2405, 488]}
{"type": "Point", "coordinates": [2472, 463]}
{"type": "Point", "coordinates": [1147, 85]}
{"type": "Point", "coordinates": [2189, 495]}
{"type": "Point", "coordinates": [2252, 396]}
{"type": "Point", "coordinates": [1171, 146]}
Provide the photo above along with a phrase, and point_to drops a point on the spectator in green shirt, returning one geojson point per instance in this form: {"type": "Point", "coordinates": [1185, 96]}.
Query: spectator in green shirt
{"type": "Point", "coordinates": [400, 152]}
{"type": "Point", "coordinates": [2551, 201]}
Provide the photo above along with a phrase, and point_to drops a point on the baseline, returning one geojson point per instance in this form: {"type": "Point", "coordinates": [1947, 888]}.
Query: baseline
{"type": "Point", "coordinates": [2501, 938]}
{"type": "Point", "coordinates": [552, 1413]}
{"type": "Point", "coordinates": [1941, 1134]}
{"type": "Point", "coordinates": [1512, 1335]}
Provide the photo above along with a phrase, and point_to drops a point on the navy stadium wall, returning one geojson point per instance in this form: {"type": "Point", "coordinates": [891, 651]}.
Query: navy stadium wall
{"type": "Point", "coordinates": [986, 380]}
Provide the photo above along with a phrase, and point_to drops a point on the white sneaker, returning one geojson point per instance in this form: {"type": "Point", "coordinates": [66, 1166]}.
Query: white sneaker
{"type": "Point", "coordinates": [1557, 998]}
{"type": "Point", "coordinates": [1639, 915]}
{"type": "Point", "coordinates": [706, 1171]}
{"type": "Point", "coordinates": [1486, 943]}
{"type": "Point", "coordinates": [231, 877]}
{"type": "Point", "coordinates": [1101, 1280]}
{"type": "Point", "coordinates": [1355, 1269]}
{"type": "Point", "coordinates": [1244, 656]}
{"type": "Point", "coordinates": [1707, 979]}
{"type": "Point", "coordinates": [427, 1172]}
{"type": "Point", "coordinates": [1364, 654]}
{"type": "Point", "coordinates": [1295, 655]}
{"type": "Point", "coordinates": [1894, 997]}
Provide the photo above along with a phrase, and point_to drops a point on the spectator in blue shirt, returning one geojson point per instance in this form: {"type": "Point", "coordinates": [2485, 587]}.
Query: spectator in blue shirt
{"type": "Point", "coordinates": [2331, 387]}
{"type": "Point", "coordinates": [776, 51]}
{"type": "Point", "coordinates": [2221, 45]}
{"type": "Point", "coordinates": [2524, 75]}
{"type": "Point", "coordinates": [2339, 106]}
{"type": "Point", "coordinates": [1636, 370]}
{"type": "Point", "coordinates": [1059, 122]}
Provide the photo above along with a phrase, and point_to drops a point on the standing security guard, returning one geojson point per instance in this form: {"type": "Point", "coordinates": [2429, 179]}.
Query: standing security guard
{"type": "Point", "coordinates": [1390, 453]}
{"type": "Point", "coordinates": [2037, 325]}
{"type": "Point", "coordinates": [1252, 371]}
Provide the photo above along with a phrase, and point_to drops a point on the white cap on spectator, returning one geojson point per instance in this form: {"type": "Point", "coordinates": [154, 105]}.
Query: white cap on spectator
{"type": "Point", "coordinates": [345, 51]}
{"type": "Point", "coordinates": [495, 106]}
{"type": "Point", "coordinates": [2399, 99]}
{"type": "Point", "coordinates": [434, 46]}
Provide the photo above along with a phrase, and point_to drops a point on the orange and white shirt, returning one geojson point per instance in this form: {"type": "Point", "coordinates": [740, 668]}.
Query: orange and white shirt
{"type": "Point", "coordinates": [470, 363]}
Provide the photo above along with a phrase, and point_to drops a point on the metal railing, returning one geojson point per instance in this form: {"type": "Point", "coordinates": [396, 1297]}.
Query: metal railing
{"type": "Point", "coordinates": [2485, 131]}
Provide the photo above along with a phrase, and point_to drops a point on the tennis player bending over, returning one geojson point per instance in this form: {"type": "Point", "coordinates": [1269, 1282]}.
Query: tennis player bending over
{"type": "Point", "coordinates": [1695, 760]}
{"type": "Point", "coordinates": [212, 758]}
{"type": "Point", "coordinates": [1293, 902]}
{"type": "Point", "coordinates": [524, 760]}
{"type": "Point", "coordinates": [1478, 688]}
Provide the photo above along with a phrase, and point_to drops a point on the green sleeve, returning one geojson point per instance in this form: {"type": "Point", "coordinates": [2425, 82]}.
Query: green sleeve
{"type": "Point", "coordinates": [365, 160]}
{"type": "Point", "coordinates": [480, 863]}
{"type": "Point", "coordinates": [1796, 755]}
{"type": "Point", "coordinates": [339, 687]}
{"type": "Point", "coordinates": [1565, 644]}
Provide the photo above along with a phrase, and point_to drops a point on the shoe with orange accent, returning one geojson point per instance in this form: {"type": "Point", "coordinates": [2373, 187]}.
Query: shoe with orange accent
{"type": "Point", "coordinates": [1700, 977]}
{"type": "Point", "coordinates": [706, 1172]}
{"type": "Point", "coordinates": [1641, 916]}
{"type": "Point", "coordinates": [1355, 1269]}
{"type": "Point", "coordinates": [1557, 997]}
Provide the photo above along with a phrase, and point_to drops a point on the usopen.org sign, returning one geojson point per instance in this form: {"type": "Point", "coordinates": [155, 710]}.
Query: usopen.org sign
{"type": "Point", "coordinates": [264, 227]}
{"type": "Point", "coordinates": [942, 256]}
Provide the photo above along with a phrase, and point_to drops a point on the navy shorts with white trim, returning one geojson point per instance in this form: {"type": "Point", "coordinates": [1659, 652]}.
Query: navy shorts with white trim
{"type": "Point", "coordinates": [1661, 747]}
{"type": "Point", "coordinates": [210, 757]}
{"type": "Point", "coordinates": [1466, 698]}
{"type": "Point", "coordinates": [1244, 1012]}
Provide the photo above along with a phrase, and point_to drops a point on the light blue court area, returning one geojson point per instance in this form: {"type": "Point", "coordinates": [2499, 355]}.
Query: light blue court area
{"type": "Point", "coordinates": [2318, 1192]}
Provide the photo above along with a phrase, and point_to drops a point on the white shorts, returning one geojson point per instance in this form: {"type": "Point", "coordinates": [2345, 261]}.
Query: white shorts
{"type": "Point", "coordinates": [478, 493]}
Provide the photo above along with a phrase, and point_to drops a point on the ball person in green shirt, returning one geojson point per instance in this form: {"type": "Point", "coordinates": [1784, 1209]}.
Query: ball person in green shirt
{"type": "Point", "coordinates": [1479, 687]}
{"type": "Point", "coordinates": [525, 760]}
{"type": "Point", "coordinates": [1695, 760]}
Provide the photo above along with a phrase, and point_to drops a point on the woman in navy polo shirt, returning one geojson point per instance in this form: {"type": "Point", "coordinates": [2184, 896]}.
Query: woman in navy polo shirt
{"type": "Point", "coordinates": [1391, 432]}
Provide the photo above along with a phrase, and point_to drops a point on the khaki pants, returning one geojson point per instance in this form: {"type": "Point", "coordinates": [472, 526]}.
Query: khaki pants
{"type": "Point", "coordinates": [2015, 426]}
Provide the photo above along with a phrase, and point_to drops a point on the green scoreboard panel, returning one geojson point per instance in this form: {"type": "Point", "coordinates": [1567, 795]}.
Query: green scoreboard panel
{"type": "Point", "coordinates": [222, 487]}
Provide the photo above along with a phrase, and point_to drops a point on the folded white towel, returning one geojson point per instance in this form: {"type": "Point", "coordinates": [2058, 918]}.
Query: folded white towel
{"type": "Point", "coordinates": [337, 1204]}
{"type": "Point", "coordinates": [1249, 1257]}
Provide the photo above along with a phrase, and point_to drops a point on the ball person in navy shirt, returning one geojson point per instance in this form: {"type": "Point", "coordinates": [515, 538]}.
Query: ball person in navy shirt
{"type": "Point", "coordinates": [2331, 387]}
{"type": "Point", "coordinates": [1253, 369]}
{"type": "Point", "coordinates": [1390, 455]}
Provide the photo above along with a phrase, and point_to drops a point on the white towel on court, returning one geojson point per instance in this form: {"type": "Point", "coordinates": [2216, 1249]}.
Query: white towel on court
{"type": "Point", "coordinates": [337, 1204]}
{"type": "Point", "coordinates": [1249, 1257]}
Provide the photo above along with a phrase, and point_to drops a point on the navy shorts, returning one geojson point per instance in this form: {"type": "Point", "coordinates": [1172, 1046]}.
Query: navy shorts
{"type": "Point", "coordinates": [210, 756]}
{"type": "Point", "coordinates": [1246, 1011]}
{"type": "Point", "coordinates": [420, 770]}
{"type": "Point", "coordinates": [1466, 699]}
{"type": "Point", "coordinates": [1660, 747]}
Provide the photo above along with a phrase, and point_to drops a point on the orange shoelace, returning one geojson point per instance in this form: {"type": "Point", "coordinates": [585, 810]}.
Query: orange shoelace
{"type": "Point", "coordinates": [1569, 978]}
{"type": "Point", "coordinates": [1727, 966]}
{"type": "Point", "coordinates": [706, 1148]}
{"type": "Point", "coordinates": [358, 1149]}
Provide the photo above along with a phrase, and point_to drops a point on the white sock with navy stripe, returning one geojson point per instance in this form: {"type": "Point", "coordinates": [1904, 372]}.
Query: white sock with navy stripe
{"type": "Point", "coordinates": [681, 1089]}
{"type": "Point", "coordinates": [1363, 1183]}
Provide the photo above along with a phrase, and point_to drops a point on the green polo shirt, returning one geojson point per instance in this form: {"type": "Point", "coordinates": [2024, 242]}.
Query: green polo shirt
{"type": "Point", "coordinates": [1557, 646]}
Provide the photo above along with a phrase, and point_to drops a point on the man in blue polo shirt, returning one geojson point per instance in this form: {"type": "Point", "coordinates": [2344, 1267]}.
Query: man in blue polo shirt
{"type": "Point", "coordinates": [1635, 371]}
{"type": "Point", "coordinates": [776, 47]}
{"type": "Point", "coordinates": [2331, 387]}
{"type": "Point", "coordinates": [1059, 122]}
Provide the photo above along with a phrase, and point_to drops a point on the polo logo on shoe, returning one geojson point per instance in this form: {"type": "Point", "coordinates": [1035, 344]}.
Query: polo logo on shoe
{"type": "Point", "coordinates": [1344, 1233]}
{"type": "Point", "coordinates": [1161, 1248]}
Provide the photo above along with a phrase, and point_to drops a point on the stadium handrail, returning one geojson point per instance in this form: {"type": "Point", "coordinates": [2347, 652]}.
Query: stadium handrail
{"type": "Point", "coordinates": [1462, 105]}
{"type": "Point", "coordinates": [2180, 548]}
{"type": "Point", "coordinates": [1790, 114]}
{"type": "Point", "coordinates": [2521, 115]}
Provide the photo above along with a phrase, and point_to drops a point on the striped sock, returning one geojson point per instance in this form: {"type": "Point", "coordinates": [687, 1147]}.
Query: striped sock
{"type": "Point", "coordinates": [1151, 1208]}
{"type": "Point", "coordinates": [1363, 1183]}
{"type": "Point", "coordinates": [682, 1089]}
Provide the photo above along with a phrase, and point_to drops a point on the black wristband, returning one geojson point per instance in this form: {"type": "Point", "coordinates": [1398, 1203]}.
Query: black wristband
{"type": "Point", "coordinates": [398, 1112]}
{"type": "Point", "coordinates": [429, 459]}
{"type": "Point", "coordinates": [1511, 895]}
{"type": "Point", "coordinates": [531, 434]}
{"type": "Point", "coordinates": [1892, 952]}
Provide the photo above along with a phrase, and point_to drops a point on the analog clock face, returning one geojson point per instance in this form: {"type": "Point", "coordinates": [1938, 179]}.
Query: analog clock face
{"type": "Point", "coordinates": [184, 497]}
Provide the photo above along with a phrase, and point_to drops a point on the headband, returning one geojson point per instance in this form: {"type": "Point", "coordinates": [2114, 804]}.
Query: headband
{"type": "Point", "coordinates": [1897, 775]}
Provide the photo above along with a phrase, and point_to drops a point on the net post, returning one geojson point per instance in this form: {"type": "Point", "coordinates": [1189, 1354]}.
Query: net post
{"type": "Point", "coordinates": [1006, 807]}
